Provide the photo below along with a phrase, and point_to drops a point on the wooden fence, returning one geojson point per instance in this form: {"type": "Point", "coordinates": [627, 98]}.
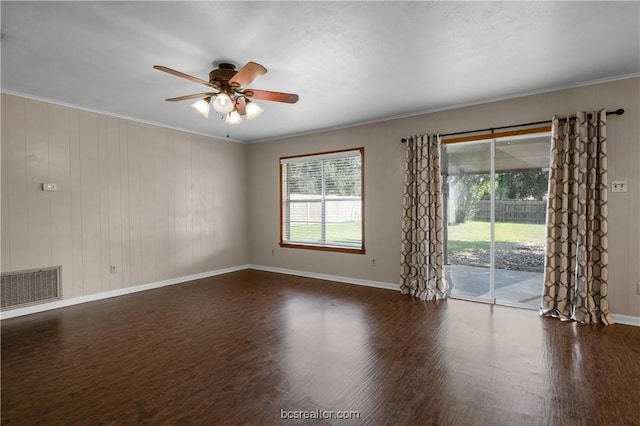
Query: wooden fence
{"type": "Point", "coordinates": [526, 211]}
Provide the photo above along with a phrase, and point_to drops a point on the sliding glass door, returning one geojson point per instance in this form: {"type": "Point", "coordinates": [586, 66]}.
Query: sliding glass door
{"type": "Point", "coordinates": [495, 208]}
{"type": "Point", "coordinates": [467, 180]}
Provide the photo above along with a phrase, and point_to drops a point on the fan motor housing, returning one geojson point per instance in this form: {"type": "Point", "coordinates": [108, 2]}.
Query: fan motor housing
{"type": "Point", "coordinates": [222, 74]}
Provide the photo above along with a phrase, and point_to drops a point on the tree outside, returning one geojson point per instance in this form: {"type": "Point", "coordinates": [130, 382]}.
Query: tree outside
{"type": "Point", "coordinates": [518, 246]}
{"type": "Point", "coordinates": [523, 185]}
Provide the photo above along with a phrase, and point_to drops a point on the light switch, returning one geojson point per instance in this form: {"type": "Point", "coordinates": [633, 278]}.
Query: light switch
{"type": "Point", "coordinates": [619, 186]}
{"type": "Point", "coordinates": [51, 187]}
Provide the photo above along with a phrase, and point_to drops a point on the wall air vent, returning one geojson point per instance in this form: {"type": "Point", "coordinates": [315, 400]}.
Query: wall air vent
{"type": "Point", "coordinates": [32, 287]}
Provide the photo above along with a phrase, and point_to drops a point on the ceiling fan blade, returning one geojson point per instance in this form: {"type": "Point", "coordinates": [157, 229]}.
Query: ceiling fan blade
{"type": "Point", "coordinates": [241, 106]}
{"type": "Point", "coordinates": [247, 74]}
{"type": "Point", "coordinates": [183, 75]}
{"type": "Point", "coordinates": [267, 95]}
{"type": "Point", "coordinates": [184, 98]}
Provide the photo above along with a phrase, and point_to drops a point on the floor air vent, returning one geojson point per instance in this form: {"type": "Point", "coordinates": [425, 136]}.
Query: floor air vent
{"type": "Point", "coordinates": [32, 287]}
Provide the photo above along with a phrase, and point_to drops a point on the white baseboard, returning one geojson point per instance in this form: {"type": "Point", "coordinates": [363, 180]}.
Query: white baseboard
{"type": "Point", "coordinates": [346, 280]}
{"type": "Point", "coordinates": [620, 319]}
{"type": "Point", "coordinates": [626, 319]}
{"type": "Point", "coordinates": [114, 293]}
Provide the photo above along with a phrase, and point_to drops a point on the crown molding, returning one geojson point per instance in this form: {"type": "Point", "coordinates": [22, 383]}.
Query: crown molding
{"type": "Point", "coordinates": [111, 114]}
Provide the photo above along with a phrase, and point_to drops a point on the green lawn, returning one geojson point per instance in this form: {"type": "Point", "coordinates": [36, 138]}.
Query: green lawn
{"type": "Point", "coordinates": [508, 232]}
{"type": "Point", "coordinates": [469, 236]}
{"type": "Point", "coordinates": [519, 246]}
{"type": "Point", "coordinates": [464, 236]}
{"type": "Point", "coordinates": [343, 233]}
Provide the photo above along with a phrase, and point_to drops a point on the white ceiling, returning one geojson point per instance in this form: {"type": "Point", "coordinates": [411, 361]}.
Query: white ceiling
{"type": "Point", "coordinates": [350, 62]}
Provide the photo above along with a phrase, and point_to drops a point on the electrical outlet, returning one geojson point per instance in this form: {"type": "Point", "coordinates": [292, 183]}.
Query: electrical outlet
{"type": "Point", "coordinates": [619, 186]}
{"type": "Point", "coordinates": [114, 269]}
{"type": "Point", "coordinates": [49, 187]}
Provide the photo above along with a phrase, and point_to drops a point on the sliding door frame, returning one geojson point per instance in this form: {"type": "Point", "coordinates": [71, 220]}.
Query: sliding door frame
{"type": "Point", "coordinates": [492, 139]}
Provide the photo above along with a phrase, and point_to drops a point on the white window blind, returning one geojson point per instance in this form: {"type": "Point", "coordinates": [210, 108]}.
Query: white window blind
{"type": "Point", "coordinates": [322, 200]}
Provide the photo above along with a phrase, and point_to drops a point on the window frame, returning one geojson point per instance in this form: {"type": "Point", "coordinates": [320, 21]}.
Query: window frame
{"type": "Point", "coordinates": [322, 247]}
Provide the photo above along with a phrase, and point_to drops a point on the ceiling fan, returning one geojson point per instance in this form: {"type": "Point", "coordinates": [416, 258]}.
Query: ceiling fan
{"type": "Point", "coordinates": [231, 97]}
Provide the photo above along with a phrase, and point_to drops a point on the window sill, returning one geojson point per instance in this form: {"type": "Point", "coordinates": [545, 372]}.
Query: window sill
{"type": "Point", "coordinates": [338, 249]}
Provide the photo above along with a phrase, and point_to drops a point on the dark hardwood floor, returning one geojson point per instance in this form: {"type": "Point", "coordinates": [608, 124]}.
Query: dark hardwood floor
{"type": "Point", "coordinates": [240, 348]}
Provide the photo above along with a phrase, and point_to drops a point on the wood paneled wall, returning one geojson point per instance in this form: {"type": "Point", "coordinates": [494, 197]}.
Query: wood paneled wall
{"type": "Point", "coordinates": [160, 203]}
{"type": "Point", "coordinates": [155, 202]}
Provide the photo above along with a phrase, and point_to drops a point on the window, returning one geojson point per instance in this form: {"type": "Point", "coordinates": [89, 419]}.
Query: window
{"type": "Point", "coordinates": [322, 201]}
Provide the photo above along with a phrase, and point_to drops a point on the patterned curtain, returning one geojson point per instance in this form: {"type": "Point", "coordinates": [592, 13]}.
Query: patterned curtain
{"type": "Point", "coordinates": [576, 269]}
{"type": "Point", "coordinates": [421, 263]}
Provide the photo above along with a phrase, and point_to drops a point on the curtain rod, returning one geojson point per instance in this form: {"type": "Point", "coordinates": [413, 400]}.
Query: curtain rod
{"type": "Point", "coordinates": [619, 111]}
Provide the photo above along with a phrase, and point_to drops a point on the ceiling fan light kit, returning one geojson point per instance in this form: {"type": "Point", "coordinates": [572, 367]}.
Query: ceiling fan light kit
{"type": "Point", "coordinates": [202, 106]}
{"type": "Point", "coordinates": [232, 99]}
{"type": "Point", "coordinates": [233, 117]}
{"type": "Point", "coordinates": [253, 110]}
{"type": "Point", "coordinates": [223, 103]}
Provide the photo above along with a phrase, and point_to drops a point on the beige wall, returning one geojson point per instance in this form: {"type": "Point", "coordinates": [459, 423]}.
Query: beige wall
{"type": "Point", "coordinates": [157, 203]}
{"type": "Point", "coordinates": [161, 203]}
{"type": "Point", "coordinates": [383, 183]}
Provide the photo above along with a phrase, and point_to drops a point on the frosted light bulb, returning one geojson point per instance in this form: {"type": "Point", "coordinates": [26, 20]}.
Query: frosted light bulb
{"type": "Point", "coordinates": [223, 103]}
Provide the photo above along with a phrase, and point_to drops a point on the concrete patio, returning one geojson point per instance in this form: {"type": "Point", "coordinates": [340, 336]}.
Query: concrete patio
{"type": "Point", "coordinates": [510, 286]}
